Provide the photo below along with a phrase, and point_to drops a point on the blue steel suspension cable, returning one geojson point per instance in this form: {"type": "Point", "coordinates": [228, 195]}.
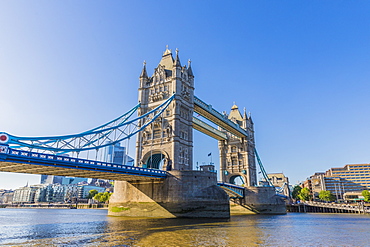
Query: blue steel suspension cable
{"type": "Point", "coordinates": [94, 138]}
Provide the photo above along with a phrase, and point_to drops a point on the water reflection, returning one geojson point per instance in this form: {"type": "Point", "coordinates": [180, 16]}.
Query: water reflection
{"type": "Point", "coordinates": [185, 232]}
{"type": "Point", "coordinates": [63, 227]}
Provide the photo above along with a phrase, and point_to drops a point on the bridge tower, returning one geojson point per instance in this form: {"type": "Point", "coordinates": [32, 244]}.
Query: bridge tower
{"type": "Point", "coordinates": [167, 144]}
{"type": "Point", "coordinates": [237, 156]}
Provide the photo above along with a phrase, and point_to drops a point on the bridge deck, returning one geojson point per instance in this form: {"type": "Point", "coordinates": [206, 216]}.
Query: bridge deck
{"type": "Point", "coordinates": [37, 163]}
{"type": "Point", "coordinates": [234, 191]}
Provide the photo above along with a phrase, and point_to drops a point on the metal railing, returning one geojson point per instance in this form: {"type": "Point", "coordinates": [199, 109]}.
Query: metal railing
{"type": "Point", "coordinates": [12, 155]}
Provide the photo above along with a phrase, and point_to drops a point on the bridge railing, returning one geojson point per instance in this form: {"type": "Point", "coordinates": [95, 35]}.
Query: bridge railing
{"type": "Point", "coordinates": [33, 156]}
{"type": "Point", "coordinates": [237, 191]}
{"type": "Point", "coordinates": [349, 207]}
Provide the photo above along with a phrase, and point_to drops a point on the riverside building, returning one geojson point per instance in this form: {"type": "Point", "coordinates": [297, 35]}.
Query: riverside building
{"type": "Point", "coordinates": [350, 178]}
{"type": "Point", "coordinates": [281, 183]}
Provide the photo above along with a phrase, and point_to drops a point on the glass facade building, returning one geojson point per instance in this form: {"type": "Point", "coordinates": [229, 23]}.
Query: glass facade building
{"type": "Point", "coordinates": [350, 178]}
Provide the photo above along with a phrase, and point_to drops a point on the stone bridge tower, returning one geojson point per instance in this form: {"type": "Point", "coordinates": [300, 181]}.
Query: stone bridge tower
{"type": "Point", "coordinates": [237, 156]}
{"type": "Point", "coordinates": [167, 144]}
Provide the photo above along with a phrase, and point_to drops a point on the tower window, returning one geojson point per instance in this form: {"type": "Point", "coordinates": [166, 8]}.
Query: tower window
{"type": "Point", "coordinates": [183, 135]}
{"type": "Point", "coordinates": [157, 133]}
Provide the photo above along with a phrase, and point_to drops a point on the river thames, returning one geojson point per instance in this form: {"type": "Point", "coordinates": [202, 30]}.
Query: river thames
{"type": "Point", "coordinates": [89, 227]}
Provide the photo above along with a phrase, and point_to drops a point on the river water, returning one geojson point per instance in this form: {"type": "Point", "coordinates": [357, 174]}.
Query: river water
{"type": "Point", "coordinates": [88, 227]}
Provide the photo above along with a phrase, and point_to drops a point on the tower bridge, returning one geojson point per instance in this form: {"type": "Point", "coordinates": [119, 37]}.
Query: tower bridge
{"type": "Point", "coordinates": [162, 182]}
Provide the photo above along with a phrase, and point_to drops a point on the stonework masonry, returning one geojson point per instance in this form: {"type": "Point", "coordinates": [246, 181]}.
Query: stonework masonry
{"type": "Point", "coordinates": [258, 200]}
{"type": "Point", "coordinates": [167, 144]}
{"type": "Point", "coordinates": [182, 194]}
{"type": "Point", "coordinates": [237, 157]}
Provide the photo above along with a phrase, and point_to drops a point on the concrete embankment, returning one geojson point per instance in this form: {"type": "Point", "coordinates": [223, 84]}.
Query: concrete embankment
{"type": "Point", "coordinates": [258, 200]}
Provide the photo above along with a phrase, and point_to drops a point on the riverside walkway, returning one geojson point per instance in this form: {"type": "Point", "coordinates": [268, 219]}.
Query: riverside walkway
{"type": "Point", "coordinates": [323, 207]}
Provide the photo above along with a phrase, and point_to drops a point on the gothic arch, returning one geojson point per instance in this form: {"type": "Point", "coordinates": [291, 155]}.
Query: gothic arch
{"type": "Point", "coordinates": [156, 159]}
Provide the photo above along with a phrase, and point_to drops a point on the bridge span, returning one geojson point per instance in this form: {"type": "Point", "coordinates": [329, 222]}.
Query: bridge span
{"type": "Point", "coordinates": [20, 161]}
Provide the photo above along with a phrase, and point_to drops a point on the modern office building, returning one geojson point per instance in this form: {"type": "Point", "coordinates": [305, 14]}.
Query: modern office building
{"type": "Point", "coordinates": [350, 178]}
{"type": "Point", "coordinates": [52, 193]}
{"type": "Point", "coordinates": [84, 190]}
{"type": "Point", "coordinates": [29, 194]}
{"type": "Point", "coordinates": [73, 180]}
{"type": "Point", "coordinates": [117, 154]}
{"type": "Point", "coordinates": [51, 179]}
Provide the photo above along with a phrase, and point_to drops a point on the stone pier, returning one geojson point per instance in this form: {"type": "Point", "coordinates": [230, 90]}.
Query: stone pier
{"type": "Point", "coordinates": [192, 194]}
{"type": "Point", "coordinates": [258, 200]}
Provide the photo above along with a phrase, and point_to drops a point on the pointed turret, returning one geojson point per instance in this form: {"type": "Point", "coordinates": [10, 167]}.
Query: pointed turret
{"type": "Point", "coordinates": [176, 68]}
{"type": "Point", "coordinates": [177, 60]}
{"type": "Point", "coordinates": [235, 115]}
{"type": "Point", "coordinates": [144, 74]}
{"type": "Point", "coordinates": [190, 71]}
{"type": "Point", "coordinates": [245, 117]}
{"type": "Point", "coordinates": [250, 117]}
{"type": "Point", "coordinates": [167, 59]}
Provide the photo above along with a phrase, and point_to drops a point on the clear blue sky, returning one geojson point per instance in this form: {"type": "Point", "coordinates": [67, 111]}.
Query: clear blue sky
{"type": "Point", "coordinates": [300, 67]}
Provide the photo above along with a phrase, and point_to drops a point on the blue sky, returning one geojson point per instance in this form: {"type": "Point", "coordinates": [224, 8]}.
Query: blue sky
{"type": "Point", "coordinates": [300, 67]}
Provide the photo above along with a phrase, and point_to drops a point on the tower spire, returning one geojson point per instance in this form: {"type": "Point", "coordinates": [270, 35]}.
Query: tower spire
{"type": "Point", "coordinates": [144, 74]}
{"type": "Point", "coordinates": [177, 59]}
{"type": "Point", "coordinates": [190, 71]}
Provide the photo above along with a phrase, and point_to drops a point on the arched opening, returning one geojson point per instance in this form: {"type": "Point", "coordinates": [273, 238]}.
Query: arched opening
{"type": "Point", "coordinates": [155, 161]}
{"type": "Point", "coordinates": [237, 180]}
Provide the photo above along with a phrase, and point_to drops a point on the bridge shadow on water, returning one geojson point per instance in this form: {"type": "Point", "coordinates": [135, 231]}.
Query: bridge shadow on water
{"type": "Point", "coordinates": [123, 231]}
{"type": "Point", "coordinates": [86, 227]}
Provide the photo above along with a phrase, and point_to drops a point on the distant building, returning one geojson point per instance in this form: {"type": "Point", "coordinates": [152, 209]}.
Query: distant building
{"type": "Point", "coordinates": [84, 190]}
{"type": "Point", "coordinates": [117, 154]}
{"type": "Point", "coordinates": [350, 178]}
{"type": "Point", "coordinates": [281, 182]}
{"type": "Point", "coordinates": [28, 194]}
{"type": "Point", "coordinates": [73, 180]}
{"type": "Point", "coordinates": [101, 183]}
{"type": "Point", "coordinates": [6, 196]}
{"type": "Point", "coordinates": [53, 193]}
{"type": "Point", "coordinates": [51, 179]}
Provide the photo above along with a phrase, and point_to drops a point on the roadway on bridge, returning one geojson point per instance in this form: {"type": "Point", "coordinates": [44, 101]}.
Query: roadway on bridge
{"type": "Point", "coordinates": [49, 164]}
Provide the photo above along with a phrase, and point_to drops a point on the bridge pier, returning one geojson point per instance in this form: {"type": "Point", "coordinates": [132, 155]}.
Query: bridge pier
{"type": "Point", "coordinates": [192, 194]}
{"type": "Point", "coordinates": [258, 200]}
